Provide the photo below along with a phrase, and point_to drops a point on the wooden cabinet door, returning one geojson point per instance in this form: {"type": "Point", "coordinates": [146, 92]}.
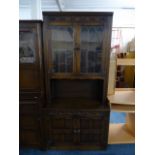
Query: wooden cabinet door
{"type": "Point", "coordinates": [29, 129]}
{"type": "Point", "coordinates": [91, 130]}
{"type": "Point", "coordinates": [74, 45]}
{"type": "Point", "coordinates": [77, 129]}
{"type": "Point", "coordinates": [60, 129]}
{"type": "Point", "coordinates": [29, 138]}
{"type": "Point", "coordinates": [30, 56]}
{"type": "Point", "coordinates": [63, 129]}
{"type": "Point", "coordinates": [88, 128]}
{"type": "Point", "coordinates": [91, 49]}
{"type": "Point", "coordinates": [59, 49]}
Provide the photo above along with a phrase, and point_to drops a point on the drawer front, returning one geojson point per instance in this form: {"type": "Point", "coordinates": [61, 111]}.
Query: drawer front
{"type": "Point", "coordinates": [80, 128]}
{"type": "Point", "coordinates": [35, 96]}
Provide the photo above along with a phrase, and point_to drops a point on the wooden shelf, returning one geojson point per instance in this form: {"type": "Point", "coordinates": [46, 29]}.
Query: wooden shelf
{"type": "Point", "coordinates": [123, 100]}
{"type": "Point", "coordinates": [126, 61]}
{"type": "Point", "coordinates": [119, 134]}
{"type": "Point", "coordinates": [75, 103]}
{"type": "Point", "coordinates": [123, 108]}
{"type": "Point", "coordinates": [123, 97]}
{"type": "Point", "coordinates": [72, 77]}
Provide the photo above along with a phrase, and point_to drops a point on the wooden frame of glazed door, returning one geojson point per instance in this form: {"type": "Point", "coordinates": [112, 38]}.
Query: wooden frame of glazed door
{"type": "Point", "coordinates": [76, 49]}
{"type": "Point", "coordinates": [32, 82]}
{"type": "Point", "coordinates": [55, 26]}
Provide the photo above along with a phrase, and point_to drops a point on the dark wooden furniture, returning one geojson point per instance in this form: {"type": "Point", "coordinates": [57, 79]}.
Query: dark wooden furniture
{"type": "Point", "coordinates": [76, 49]}
{"type": "Point", "coordinates": [81, 128]}
{"type": "Point", "coordinates": [31, 82]}
{"type": "Point", "coordinates": [75, 65]}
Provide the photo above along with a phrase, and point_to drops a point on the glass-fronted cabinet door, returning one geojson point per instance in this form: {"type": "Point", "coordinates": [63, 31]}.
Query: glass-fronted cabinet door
{"type": "Point", "coordinates": [91, 49]}
{"type": "Point", "coordinates": [61, 49]}
{"type": "Point", "coordinates": [29, 56]}
{"type": "Point", "coordinates": [26, 47]}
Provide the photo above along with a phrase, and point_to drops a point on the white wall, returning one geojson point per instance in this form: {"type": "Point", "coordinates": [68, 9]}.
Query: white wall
{"type": "Point", "coordinates": [124, 19]}
{"type": "Point", "coordinates": [32, 9]}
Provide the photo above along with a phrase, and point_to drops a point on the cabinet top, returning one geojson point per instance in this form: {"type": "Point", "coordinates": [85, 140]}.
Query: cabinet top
{"type": "Point", "coordinates": [30, 21]}
{"type": "Point", "coordinates": [78, 13]}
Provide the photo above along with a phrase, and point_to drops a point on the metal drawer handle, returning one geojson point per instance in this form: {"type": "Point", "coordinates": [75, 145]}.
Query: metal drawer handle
{"type": "Point", "coordinates": [35, 97]}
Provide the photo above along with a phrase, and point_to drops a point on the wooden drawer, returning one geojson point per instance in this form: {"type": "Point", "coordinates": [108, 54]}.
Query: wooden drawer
{"type": "Point", "coordinates": [30, 95]}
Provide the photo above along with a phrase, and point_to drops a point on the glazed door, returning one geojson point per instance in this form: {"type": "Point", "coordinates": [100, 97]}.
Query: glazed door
{"type": "Point", "coordinates": [61, 56]}
{"type": "Point", "coordinates": [91, 49]}
{"type": "Point", "coordinates": [74, 46]}
{"type": "Point", "coordinates": [29, 64]}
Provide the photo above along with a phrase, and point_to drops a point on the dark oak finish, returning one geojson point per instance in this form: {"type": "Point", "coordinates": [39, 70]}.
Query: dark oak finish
{"type": "Point", "coordinates": [77, 49]}
{"type": "Point", "coordinates": [31, 83]}
{"type": "Point", "coordinates": [87, 38]}
{"type": "Point", "coordinates": [74, 65]}
{"type": "Point", "coordinates": [80, 128]}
